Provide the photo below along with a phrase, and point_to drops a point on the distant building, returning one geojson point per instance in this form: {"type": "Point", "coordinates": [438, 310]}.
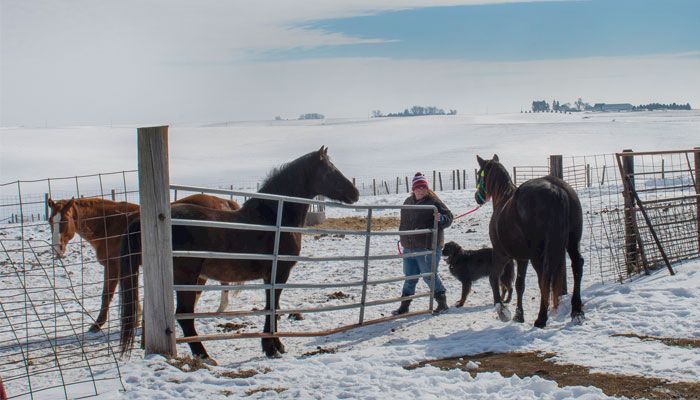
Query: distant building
{"type": "Point", "coordinates": [312, 116]}
{"type": "Point", "coordinates": [612, 107]}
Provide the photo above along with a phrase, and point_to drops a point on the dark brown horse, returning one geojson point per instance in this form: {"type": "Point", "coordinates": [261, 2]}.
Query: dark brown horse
{"type": "Point", "coordinates": [308, 176]}
{"type": "Point", "coordinates": [539, 221]}
{"type": "Point", "coordinates": [102, 223]}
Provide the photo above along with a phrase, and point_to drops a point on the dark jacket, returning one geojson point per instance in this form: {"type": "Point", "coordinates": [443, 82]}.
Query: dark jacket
{"type": "Point", "coordinates": [422, 219]}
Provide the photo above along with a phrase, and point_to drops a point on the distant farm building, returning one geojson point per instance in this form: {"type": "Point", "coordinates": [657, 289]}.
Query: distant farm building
{"type": "Point", "coordinates": [612, 107]}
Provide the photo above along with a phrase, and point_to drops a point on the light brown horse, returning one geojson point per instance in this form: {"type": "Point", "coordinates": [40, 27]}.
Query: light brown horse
{"type": "Point", "coordinates": [102, 223]}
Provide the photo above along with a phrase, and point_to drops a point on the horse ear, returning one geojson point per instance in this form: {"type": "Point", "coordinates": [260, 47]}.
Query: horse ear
{"type": "Point", "coordinates": [70, 203]}
{"type": "Point", "coordinates": [51, 203]}
{"type": "Point", "coordinates": [495, 158]}
{"type": "Point", "coordinates": [481, 161]}
{"type": "Point", "coordinates": [323, 152]}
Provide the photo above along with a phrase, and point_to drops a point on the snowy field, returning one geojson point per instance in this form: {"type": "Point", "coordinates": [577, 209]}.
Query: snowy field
{"type": "Point", "coordinates": [370, 147]}
{"type": "Point", "coordinates": [369, 362]}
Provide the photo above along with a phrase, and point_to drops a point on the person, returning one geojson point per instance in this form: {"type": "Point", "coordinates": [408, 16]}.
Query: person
{"type": "Point", "coordinates": [412, 219]}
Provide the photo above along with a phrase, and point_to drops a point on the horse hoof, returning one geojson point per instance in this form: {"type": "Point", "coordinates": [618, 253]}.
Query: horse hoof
{"type": "Point", "coordinates": [280, 346]}
{"type": "Point", "coordinates": [94, 328]}
{"type": "Point", "coordinates": [459, 304]}
{"type": "Point", "coordinates": [296, 317]}
{"type": "Point", "coordinates": [273, 353]}
{"type": "Point", "coordinates": [209, 361]}
{"type": "Point", "coordinates": [503, 313]}
{"type": "Point", "coordinates": [518, 316]}
{"type": "Point", "coordinates": [578, 318]}
{"type": "Point", "coordinates": [540, 324]}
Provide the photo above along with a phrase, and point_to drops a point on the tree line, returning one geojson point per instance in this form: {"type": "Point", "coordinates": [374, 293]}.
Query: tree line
{"type": "Point", "coordinates": [415, 111]}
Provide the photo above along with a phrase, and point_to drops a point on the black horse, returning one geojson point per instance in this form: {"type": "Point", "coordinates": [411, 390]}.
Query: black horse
{"type": "Point", "coordinates": [538, 222]}
{"type": "Point", "coordinates": [308, 176]}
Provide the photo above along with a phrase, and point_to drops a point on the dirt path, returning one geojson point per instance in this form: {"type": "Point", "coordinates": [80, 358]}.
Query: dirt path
{"type": "Point", "coordinates": [530, 364]}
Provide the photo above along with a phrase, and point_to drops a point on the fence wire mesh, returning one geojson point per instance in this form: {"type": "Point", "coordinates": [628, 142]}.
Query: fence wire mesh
{"type": "Point", "coordinates": [48, 304]}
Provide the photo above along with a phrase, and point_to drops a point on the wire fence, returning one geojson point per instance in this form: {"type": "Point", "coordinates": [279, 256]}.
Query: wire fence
{"type": "Point", "coordinates": [48, 304]}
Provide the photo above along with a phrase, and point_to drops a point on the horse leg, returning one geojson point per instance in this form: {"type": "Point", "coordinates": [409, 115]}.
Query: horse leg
{"type": "Point", "coordinates": [507, 282]}
{"type": "Point", "coordinates": [466, 287]}
{"type": "Point", "coordinates": [111, 278]}
{"type": "Point", "coordinates": [185, 304]}
{"type": "Point", "coordinates": [543, 279]}
{"type": "Point", "coordinates": [577, 269]}
{"type": "Point", "coordinates": [273, 347]}
{"type": "Point", "coordinates": [223, 303]}
{"type": "Point", "coordinates": [499, 262]}
{"type": "Point", "coordinates": [520, 289]}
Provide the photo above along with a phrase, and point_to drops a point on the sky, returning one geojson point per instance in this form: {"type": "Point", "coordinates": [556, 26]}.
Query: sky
{"type": "Point", "coordinates": [98, 62]}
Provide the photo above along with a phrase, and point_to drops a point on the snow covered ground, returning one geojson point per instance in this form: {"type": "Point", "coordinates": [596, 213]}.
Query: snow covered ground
{"type": "Point", "coordinates": [368, 362]}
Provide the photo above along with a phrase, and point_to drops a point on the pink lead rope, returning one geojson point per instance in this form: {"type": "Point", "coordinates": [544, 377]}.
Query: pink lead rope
{"type": "Point", "coordinates": [398, 242]}
{"type": "Point", "coordinates": [468, 212]}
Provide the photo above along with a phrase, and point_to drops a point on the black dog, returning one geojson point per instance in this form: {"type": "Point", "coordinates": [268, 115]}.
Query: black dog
{"type": "Point", "coordinates": [470, 265]}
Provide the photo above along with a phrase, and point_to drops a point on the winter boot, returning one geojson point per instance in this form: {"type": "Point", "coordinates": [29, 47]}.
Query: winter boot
{"type": "Point", "coordinates": [403, 309]}
{"type": "Point", "coordinates": [441, 303]}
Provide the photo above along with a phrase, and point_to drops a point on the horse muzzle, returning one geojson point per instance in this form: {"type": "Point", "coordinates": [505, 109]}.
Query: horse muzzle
{"type": "Point", "coordinates": [58, 250]}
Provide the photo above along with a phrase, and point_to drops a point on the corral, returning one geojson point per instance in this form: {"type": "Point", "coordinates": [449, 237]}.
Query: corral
{"type": "Point", "coordinates": [53, 299]}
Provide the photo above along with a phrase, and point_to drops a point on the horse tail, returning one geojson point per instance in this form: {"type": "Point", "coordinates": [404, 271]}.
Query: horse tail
{"type": "Point", "coordinates": [129, 283]}
{"type": "Point", "coordinates": [555, 253]}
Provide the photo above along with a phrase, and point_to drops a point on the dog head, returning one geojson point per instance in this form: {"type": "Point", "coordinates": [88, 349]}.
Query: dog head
{"type": "Point", "coordinates": [450, 252]}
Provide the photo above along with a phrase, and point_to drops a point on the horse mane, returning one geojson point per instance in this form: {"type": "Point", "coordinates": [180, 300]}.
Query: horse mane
{"type": "Point", "coordinates": [280, 177]}
{"type": "Point", "coordinates": [285, 180]}
{"type": "Point", "coordinates": [499, 184]}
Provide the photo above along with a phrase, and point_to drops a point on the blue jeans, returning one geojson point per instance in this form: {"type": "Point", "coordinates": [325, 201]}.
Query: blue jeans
{"type": "Point", "coordinates": [420, 265]}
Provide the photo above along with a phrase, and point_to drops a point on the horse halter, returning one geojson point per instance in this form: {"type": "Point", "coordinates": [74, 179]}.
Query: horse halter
{"type": "Point", "coordinates": [479, 184]}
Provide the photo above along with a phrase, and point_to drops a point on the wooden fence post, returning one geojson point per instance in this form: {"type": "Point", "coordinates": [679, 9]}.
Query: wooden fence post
{"type": "Point", "coordinates": [440, 178]}
{"type": "Point", "coordinates": [114, 194]}
{"type": "Point", "coordinates": [398, 183]}
{"type": "Point", "coordinates": [602, 179]}
{"type": "Point", "coordinates": [454, 186]}
{"type": "Point", "coordinates": [434, 187]}
{"type": "Point", "coordinates": [386, 185]}
{"type": "Point", "coordinates": [374, 186]}
{"type": "Point", "coordinates": [697, 189]}
{"type": "Point", "coordinates": [631, 238]}
{"type": "Point", "coordinates": [663, 169]}
{"type": "Point", "coordinates": [407, 190]}
{"type": "Point", "coordinates": [556, 166]}
{"type": "Point", "coordinates": [588, 175]}
{"type": "Point", "coordinates": [464, 178]}
{"type": "Point", "coordinates": [156, 239]}
{"type": "Point", "coordinates": [46, 205]}
{"type": "Point", "coordinates": [515, 176]}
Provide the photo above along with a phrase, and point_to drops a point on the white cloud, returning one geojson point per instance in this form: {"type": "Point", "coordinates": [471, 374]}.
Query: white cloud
{"type": "Point", "coordinates": [88, 62]}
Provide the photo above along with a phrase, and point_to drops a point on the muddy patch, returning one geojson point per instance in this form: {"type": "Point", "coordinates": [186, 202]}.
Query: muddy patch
{"type": "Point", "coordinates": [320, 350]}
{"type": "Point", "coordinates": [251, 392]}
{"type": "Point", "coordinates": [232, 326]}
{"type": "Point", "coordinates": [360, 223]}
{"type": "Point", "coordinates": [188, 364]}
{"type": "Point", "coordinates": [530, 364]}
{"type": "Point", "coordinates": [243, 373]}
{"type": "Point", "coordinates": [679, 342]}
{"type": "Point", "coordinates": [338, 296]}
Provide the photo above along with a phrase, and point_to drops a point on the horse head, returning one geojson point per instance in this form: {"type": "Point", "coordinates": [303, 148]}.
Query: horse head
{"type": "Point", "coordinates": [483, 183]}
{"type": "Point", "coordinates": [328, 181]}
{"type": "Point", "coordinates": [62, 221]}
